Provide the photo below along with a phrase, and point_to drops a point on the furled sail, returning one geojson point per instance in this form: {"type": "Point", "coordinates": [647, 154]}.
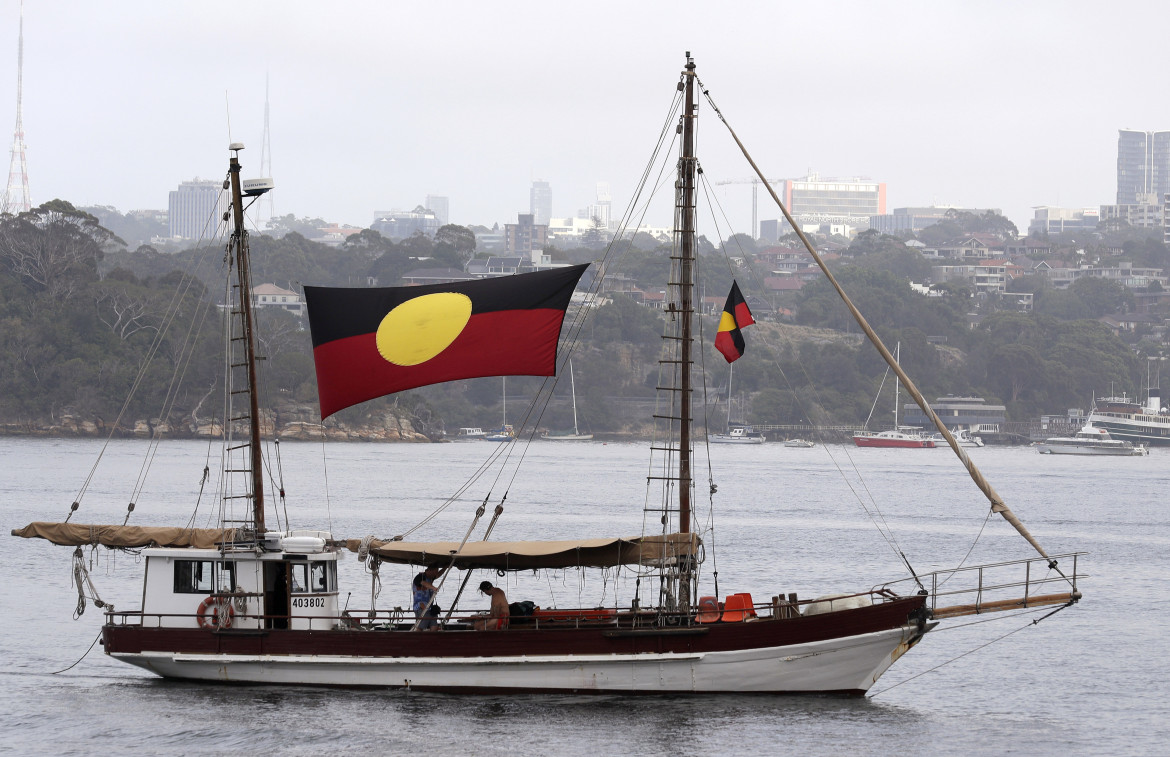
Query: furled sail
{"type": "Point", "coordinates": [529, 555]}
{"type": "Point", "coordinates": [126, 537]}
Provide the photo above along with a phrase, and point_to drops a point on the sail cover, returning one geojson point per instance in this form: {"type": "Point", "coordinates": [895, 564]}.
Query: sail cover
{"type": "Point", "coordinates": [126, 537]}
{"type": "Point", "coordinates": [529, 555]}
{"type": "Point", "coordinates": [376, 341]}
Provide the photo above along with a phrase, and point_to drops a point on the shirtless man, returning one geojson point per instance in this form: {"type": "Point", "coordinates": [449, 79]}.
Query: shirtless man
{"type": "Point", "coordinates": [497, 619]}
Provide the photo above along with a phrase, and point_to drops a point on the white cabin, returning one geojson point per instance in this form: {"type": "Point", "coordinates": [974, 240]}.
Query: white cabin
{"type": "Point", "coordinates": [291, 583]}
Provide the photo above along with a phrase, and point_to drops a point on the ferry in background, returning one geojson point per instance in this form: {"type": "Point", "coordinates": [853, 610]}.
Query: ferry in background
{"type": "Point", "coordinates": [1129, 420]}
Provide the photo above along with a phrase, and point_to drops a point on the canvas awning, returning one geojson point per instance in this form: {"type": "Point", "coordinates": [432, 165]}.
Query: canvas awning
{"type": "Point", "coordinates": [80, 535]}
{"type": "Point", "coordinates": [529, 555]}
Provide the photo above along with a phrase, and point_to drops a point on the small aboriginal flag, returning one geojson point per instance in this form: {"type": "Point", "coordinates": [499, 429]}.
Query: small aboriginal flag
{"type": "Point", "coordinates": [736, 315]}
{"type": "Point", "coordinates": [371, 342]}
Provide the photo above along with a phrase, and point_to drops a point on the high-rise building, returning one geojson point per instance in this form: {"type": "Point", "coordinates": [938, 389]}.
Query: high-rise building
{"type": "Point", "coordinates": [851, 201]}
{"type": "Point", "coordinates": [1143, 166]}
{"type": "Point", "coordinates": [525, 236]}
{"type": "Point", "coordinates": [440, 206]}
{"type": "Point", "coordinates": [540, 202]}
{"type": "Point", "coordinates": [602, 210]}
{"type": "Point", "coordinates": [195, 209]}
{"type": "Point", "coordinates": [402, 224]}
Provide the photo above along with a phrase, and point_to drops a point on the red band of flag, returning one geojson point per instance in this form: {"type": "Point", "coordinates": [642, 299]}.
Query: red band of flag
{"type": "Point", "coordinates": [371, 342]}
{"type": "Point", "coordinates": [736, 315]}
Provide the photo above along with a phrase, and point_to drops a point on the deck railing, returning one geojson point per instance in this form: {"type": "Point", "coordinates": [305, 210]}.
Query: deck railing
{"type": "Point", "coordinates": [996, 587]}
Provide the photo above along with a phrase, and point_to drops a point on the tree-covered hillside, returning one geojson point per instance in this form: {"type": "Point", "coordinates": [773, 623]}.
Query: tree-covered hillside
{"type": "Point", "coordinates": [79, 314]}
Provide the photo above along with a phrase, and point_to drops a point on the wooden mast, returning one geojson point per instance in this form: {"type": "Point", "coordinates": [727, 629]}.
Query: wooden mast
{"type": "Point", "coordinates": [239, 241]}
{"type": "Point", "coordinates": [686, 201]}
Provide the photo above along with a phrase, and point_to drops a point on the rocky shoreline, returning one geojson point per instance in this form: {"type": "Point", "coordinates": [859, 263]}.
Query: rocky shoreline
{"type": "Point", "coordinates": [295, 423]}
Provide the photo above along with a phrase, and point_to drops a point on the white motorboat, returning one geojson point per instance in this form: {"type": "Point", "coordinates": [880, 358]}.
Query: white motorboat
{"type": "Point", "coordinates": [1090, 440]}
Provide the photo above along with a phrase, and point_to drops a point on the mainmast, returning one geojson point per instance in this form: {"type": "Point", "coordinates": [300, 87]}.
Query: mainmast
{"type": "Point", "coordinates": [686, 211]}
{"type": "Point", "coordinates": [239, 244]}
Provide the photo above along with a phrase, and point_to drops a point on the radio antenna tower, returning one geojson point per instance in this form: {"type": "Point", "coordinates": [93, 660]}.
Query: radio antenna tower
{"type": "Point", "coordinates": [265, 211]}
{"type": "Point", "coordinates": [16, 196]}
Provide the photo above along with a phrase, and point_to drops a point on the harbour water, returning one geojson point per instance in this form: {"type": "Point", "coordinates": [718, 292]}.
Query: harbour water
{"type": "Point", "coordinates": [1092, 679]}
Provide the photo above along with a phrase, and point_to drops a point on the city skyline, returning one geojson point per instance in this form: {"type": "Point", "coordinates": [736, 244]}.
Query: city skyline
{"type": "Point", "coordinates": [1023, 118]}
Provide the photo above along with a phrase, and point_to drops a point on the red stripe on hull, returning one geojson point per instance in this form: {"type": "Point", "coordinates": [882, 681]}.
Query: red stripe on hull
{"type": "Point", "coordinates": [716, 637]}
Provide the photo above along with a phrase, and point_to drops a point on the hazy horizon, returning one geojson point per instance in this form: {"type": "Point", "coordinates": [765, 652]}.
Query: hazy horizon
{"type": "Point", "coordinates": [374, 106]}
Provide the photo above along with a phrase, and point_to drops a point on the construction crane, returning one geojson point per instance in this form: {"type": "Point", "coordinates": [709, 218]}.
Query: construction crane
{"type": "Point", "coordinates": [755, 182]}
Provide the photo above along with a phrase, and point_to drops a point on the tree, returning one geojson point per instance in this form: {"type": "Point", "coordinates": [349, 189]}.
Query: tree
{"type": "Point", "coordinates": [454, 245]}
{"type": "Point", "coordinates": [282, 225]}
{"type": "Point", "coordinates": [738, 245]}
{"type": "Point", "coordinates": [54, 248]}
{"type": "Point", "coordinates": [1101, 296]}
{"type": "Point", "coordinates": [1017, 367]}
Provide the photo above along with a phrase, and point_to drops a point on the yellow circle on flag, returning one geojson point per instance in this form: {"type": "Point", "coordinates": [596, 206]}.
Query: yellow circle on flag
{"type": "Point", "coordinates": [418, 329]}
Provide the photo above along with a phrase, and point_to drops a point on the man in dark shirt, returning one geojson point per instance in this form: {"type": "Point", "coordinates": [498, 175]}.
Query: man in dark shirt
{"type": "Point", "coordinates": [423, 590]}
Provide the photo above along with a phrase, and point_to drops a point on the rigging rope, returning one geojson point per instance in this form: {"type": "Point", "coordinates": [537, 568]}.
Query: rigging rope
{"type": "Point", "coordinates": [981, 646]}
{"type": "Point", "coordinates": [82, 581]}
{"type": "Point", "coordinates": [997, 503]}
{"type": "Point", "coordinates": [614, 252]}
{"type": "Point", "coordinates": [883, 526]}
{"type": "Point", "coordinates": [79, 659]}
{"type": "Point", "coordinates": [187, 281]}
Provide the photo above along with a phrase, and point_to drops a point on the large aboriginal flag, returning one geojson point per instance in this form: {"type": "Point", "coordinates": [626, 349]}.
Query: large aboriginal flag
{"type": "Point", "coordinates": [372, 342]}
{"type": "Point", "coordinates": [736, 315]}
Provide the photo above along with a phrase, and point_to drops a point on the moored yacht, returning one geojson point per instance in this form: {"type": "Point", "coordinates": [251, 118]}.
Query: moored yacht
{"type": "Point", "coordinates": [1089, 441]}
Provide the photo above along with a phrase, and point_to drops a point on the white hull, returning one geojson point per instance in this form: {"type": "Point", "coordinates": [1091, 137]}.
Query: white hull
{"type": "Point", "coordinates": [850, 664]}
{"type": "Point", "coordinates": [1054, 449]}
{"type": "Point", "coordinates": [570, 438]}
{"type": "Point", "coordinates": [725, 439]}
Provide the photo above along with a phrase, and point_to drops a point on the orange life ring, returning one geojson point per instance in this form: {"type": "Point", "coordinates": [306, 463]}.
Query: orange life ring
{"type": "Point", "coordinates": [209, 610]}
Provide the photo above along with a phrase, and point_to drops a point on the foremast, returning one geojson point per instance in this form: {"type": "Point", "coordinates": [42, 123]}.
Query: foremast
{"type": "Point", "coordinates": [238, 249]}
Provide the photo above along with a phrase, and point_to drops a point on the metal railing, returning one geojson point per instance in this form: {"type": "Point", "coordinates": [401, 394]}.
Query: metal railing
{"type": "Point", "coordinates": [996, 587]}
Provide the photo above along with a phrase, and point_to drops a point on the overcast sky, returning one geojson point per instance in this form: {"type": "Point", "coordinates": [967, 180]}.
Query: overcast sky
{"type": "Point", "coordinates": [376, 105]}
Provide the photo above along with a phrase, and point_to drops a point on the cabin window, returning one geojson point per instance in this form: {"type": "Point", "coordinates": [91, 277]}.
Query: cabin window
{"type": "Point", "coordinates": [225, 577]}
{"type": "Point", "coordinates": [323, 577]}
{"type": "Point", "coordinates": [298, 573]}
{"type": "Point", "coordinates": [193, 576]}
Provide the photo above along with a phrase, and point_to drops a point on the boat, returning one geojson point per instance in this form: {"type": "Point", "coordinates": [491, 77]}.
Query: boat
{"type": "Point", "coordinates": [903, 437]}
{"type": "Point", "coordinates": [244, 602]}
{"type": "Point", "coordinates": [470, 434]}
{"type": "Point", "coordinates": [801, 443]}
{"type": "Point", "coordinates": [505, 432]}
{"type": "Point", "coordinates": [899, 437]}
{"type": "Point", "coordinates": [576, 436]}
{"type": "Point", "coordinates": [1090, 441]}
{"type": "Point", "coordinates": [737, 433]}
{"type": "Point", "coordinates": [1127, 419]}
{"type": "Point", "coordinates": [962, 436]}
